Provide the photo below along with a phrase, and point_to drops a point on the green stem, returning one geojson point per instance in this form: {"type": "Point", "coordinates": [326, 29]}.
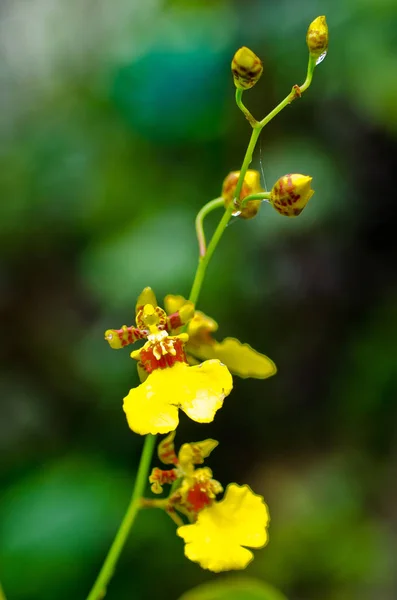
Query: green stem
{"type": "Point", "coordinates": [239, 101]}
{"type": "Point", "coordinates": [296, 92]}
{"type": "Point", "coordinates": [204, 260]}
{"type": "Point", "coordinates": [207, 208]}
{"type": "Point", "coordinates": [311, 65]}
{"type": "Point", "coordinates": [98, 590]}
{"type": "Point", "coordinates": [2, 594]}
{"type": "Point", "coordinates": [258, 196]}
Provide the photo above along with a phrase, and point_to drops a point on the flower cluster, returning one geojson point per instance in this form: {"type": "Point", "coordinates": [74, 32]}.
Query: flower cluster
{"type": "Point", "coordinates": [218, 532]}
{"type": "Point", "coordinates": [182, 366]}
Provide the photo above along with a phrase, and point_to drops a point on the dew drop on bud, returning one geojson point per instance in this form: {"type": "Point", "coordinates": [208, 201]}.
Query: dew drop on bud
{"type": "Point", "coordinates": [321, 58]}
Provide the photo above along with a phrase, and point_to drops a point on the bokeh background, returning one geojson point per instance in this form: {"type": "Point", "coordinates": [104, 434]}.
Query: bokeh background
{"type": "Point", "coordinates": [117, 123]}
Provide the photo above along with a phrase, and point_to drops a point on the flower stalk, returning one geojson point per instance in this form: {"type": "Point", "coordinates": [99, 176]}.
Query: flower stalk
{"type": "Point", "coordinates": [98, 590]}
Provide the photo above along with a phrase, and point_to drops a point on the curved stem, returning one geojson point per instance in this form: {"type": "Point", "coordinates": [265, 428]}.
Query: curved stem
{"type": "Point", "coordinates": [204, 260]}
{"type": "Point", "coordinates": [98, 590]}
{"type": "Point", "coordinates": [258, 196]}
{"type": "Point", "coordinates": [239, 101]}
{"type": "Point", "coordinates": [311, 65]}
{"type": "Point", "coordinates": [207, 208]}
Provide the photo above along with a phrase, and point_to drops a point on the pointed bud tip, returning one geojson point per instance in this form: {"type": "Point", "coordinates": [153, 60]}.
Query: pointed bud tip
{"type": "Point", "coordinates": [291, 193]}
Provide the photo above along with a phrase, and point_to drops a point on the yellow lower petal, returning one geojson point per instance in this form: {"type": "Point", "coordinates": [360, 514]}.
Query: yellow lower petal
{"type": "Point", "coordinates": [217, 556]}
{"type": "Point", "coordinates": [241, 359]}
{"type": "Point", "coordinates": [208, 385]}
{"type": "Point", "coordinates": [217, 538]}
{"type": "Point", "coordinates": [148, 410]}
{"type": "Point", "coordinates": [152, 407]}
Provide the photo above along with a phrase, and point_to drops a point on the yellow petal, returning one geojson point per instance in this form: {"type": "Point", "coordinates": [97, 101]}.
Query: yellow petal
{"type": "Point", "coordinates": [152, 407]}
{"type": "Point", "coordinates": [215, 541]}
{"type": "Point", "coordinates": [173, 303]}
{"type": "Point", "coordinates": [203, 449]}
{"type": "Point", "coordinates": [186, 311]}
{"type": "Point", "coordinates": [195, 452]}
{"type": "Point", "coordinates": [191, 360]}
{"type": "Point", "coordinates": [166, 450]}
{"type": "Point", "coordinates": [147, 296]}
{"type": "Point", "coordinates": [200, 325]}
{"type": "Point", "coordinates": [142, 373]}
{"type": "Point", "coordinates": [240, 359]}
{"type": "Point", "coordinates": [208, 384]}
{"type": "Point", "coordinates": [148, 407]}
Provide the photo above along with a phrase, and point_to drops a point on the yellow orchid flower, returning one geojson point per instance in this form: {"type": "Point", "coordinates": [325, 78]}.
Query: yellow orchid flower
{"type": "Point", "coordinates": [218, 539]}
{"type": "Point", "coordinates": [219, 531]}
{"type": "Point", "coordinates": [169, 383]}
{"type": "Point", "coordinates": [240, 359]}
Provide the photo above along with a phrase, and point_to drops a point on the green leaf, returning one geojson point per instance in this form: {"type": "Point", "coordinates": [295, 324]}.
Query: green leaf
{"type": "Point", "coordinates": [234, 588]}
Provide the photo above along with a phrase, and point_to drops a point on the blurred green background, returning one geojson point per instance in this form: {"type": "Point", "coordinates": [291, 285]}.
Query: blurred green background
{"type": "Point", "coordinates": [117, 123]}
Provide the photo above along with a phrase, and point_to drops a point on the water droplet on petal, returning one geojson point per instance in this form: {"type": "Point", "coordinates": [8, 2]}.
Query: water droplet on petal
{"type": "Point", "coordinates": [321, 58]}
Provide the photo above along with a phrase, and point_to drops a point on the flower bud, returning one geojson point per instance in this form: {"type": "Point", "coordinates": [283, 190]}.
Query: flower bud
{"type": "Point", "coordinates": [317, 37]}
{"type": "Point", "coordinates": [291, 193]}
{"type": "Point", "coordinates": [251, 185]}
{"type": "Point", "coordinates": [246, 68]}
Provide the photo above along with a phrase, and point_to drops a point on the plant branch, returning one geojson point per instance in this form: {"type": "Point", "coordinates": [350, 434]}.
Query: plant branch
{"type": "Point", "coordinates": [207, 208]}
{"type": "Point", "coordinates": [98, 590]}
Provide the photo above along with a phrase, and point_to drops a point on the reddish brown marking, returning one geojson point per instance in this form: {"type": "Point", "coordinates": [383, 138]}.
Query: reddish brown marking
{"type": "Point", "coordinates": [150, 362]}
{"type": "Point", "coordinates": [169, 454]}
{"type": "Point", "coordinates": [129, 335]}
{"type": "Point", "coordinates": [198, 498]}
{"type": "Point", "coordinates": [297, 91]}
{"type": "Point", "coordinates": [162, 477]}
{"type": "Point", "coordinates": [174, 321]}
{"type": "Point", "coordinates": [162, 323]}
{"type": "Point", "coordinates": [280, 186]}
